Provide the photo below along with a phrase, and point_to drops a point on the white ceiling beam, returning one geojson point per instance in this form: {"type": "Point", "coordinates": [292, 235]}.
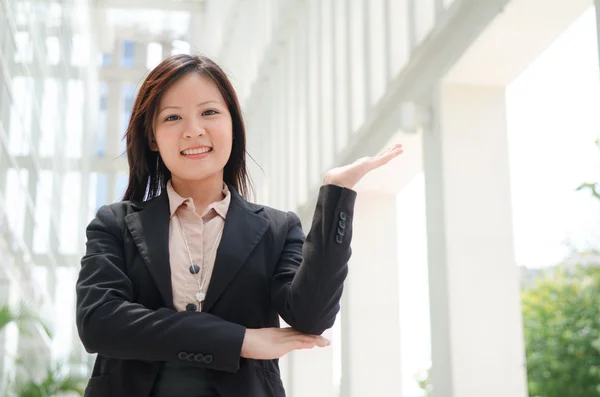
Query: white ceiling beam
{"type": "Point", "coordinates": [172, 5]}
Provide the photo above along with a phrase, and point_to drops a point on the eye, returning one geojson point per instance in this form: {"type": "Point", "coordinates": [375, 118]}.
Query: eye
{"type": "Point", "coordinates": [172, 118]}
{"type": "Point", "coordinates": [209, 112]}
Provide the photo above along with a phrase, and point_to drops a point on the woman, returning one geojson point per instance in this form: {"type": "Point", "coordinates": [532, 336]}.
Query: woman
{"type": "Point", "coordinates": [183, 282]}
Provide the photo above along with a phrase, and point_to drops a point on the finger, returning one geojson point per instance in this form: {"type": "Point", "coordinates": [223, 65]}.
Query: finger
{"type": "Point", "coordinates": [377, 162]}
{"type": "Point", "coordinates": [323, 342]}
{"type": "Point", "coordinates": [389, 149]}
{"type": "Point", "coordinates": [302, 342]}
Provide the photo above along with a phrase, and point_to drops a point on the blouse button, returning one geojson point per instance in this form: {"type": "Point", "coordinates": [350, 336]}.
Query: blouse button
{"type": "Point", "coordinates": [191, 307]}
{"type": "Point", "coordinates": [194, 269]}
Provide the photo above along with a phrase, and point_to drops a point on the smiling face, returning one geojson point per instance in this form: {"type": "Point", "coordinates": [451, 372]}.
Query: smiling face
{"type": "Point", "coordinates": [193, 129]}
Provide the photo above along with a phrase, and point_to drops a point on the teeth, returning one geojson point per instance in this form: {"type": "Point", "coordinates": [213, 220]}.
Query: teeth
{"type": "Point", "coordinates": [197, 151]}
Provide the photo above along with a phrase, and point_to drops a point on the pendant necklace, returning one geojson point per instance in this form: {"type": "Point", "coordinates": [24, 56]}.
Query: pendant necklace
{"type": "Point", "coordinates": [195, 269]}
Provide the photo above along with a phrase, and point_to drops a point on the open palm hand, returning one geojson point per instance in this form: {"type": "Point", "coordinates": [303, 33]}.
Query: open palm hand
{"type": "Point", "coordinates": [349, 175]}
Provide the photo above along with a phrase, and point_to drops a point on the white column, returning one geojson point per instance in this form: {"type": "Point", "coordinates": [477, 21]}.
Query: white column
{"type": "Point", "coordinates": [371, 326]}
{"type": "Point", "coordinates": [310, 372]}
{"type": "Point", "coordinates": [476, 325]}
{"type": "Point", "coordinates": [597, 4]}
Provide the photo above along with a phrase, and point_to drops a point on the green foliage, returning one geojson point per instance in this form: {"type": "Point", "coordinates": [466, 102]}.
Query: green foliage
{"type": "Point", "coordinates": [53, 384]}
{"type": "Point", "coordinates": [22, 317]}
{"type": "Point", "coordinates": [561, 315]}
{"type": "Point", "coordinates": [593, 188]}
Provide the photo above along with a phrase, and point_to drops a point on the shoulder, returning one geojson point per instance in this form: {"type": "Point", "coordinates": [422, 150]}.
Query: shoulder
{"type": "Point", "coordinates": [113, 215]}
{"type": "Point", "coordinates": [280, 221]}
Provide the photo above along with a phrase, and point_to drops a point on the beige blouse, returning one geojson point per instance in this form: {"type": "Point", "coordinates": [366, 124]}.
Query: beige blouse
{"type": "Point", "coordinates": [203, 234]}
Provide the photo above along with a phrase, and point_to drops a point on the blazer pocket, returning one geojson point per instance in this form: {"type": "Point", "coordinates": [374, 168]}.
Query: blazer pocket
{"type": "Point", "coordinates": [266, 373]}
{"type": "Point", "coordinates": [98, 386]}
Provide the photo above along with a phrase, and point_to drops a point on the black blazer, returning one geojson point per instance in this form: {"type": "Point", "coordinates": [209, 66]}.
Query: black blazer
{"type": "Point", "coordinates": [264, 268]}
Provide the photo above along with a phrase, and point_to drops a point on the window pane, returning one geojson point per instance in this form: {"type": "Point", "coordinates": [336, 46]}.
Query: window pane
{"type": "Point", "coordinates": [69, 228]}
{"type": "Point", "coordinates": [20, 115]}
{"type": "Point", "coordinates": [128, 60]}
{"type": "Point", "coordinates": [341, 73]}
{"type": "Point", "coordinates": [120, 186]}
{"type": "Point", "coordinates": [41, 231]}
{"type": "Point", "coordinates": [74, 118]}
{"type": "Point", "coordinates": [357, 82]}
{"type": "Point", "coordinates": [154, 55]}
{"type": "Point", "coordinates": [376, 50]}
{"type": "Point", "coordinates": [16, 185]}
{"type": "Point", "coordinates": [49, 118]}
{"type": "Point", "coordinates": [53, 50]}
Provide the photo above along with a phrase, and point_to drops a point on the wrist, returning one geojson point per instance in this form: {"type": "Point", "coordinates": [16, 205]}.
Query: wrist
{"type": "Point", "coordinates": [332, 181]}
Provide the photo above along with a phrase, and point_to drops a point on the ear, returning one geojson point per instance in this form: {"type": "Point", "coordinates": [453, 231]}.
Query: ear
{"type": "Point", "coordinates": [153, 145]}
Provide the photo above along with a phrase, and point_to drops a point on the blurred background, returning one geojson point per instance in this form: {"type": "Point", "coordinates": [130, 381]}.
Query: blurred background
{"type": "Point", "coordinates": [475, 268]}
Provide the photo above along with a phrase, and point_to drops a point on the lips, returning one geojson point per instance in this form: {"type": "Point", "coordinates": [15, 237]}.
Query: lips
{"type": "Point", "coordinates": [192, 151]}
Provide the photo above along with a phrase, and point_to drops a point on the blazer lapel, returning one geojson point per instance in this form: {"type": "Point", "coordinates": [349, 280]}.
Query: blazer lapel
{"type": "Point", "coordinates": [149, 228]}
{"type": "Point", "coordinates": [243, 230]}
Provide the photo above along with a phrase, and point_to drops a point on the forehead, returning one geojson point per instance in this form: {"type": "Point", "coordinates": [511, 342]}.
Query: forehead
{"type": "Point", "coordinates": [192, 86]}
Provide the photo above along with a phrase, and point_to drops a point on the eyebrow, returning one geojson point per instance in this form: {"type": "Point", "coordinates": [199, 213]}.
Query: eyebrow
{"type": "Point", "coordinates": [178, 107]}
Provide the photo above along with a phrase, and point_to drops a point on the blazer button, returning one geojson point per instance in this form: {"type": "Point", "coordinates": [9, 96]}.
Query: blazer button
{"type": "Point", "coordinates": [343, 216]}
{"type": "Point", "coordinates": [208, 359]}
{"type": "Point", "coordinates": [190, 357]}
{"type": "Point", "coordinates": [341, 231]}
{"type": "Point", "coordinates": [199, 358]}
{"type": "Point", "coordinates": [342, 224]}
{"type": "Point", "coordinates": [182, 356]}
{"type": "Point", "coordinates": [338, 239]}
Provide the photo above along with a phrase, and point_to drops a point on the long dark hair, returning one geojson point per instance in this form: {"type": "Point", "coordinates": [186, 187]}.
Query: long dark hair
{"type": "Point", "coordinates": [148, 175]}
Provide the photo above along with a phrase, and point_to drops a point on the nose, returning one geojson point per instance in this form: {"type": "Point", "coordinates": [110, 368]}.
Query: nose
{"type": "Point", "coordinates": [194, 129]}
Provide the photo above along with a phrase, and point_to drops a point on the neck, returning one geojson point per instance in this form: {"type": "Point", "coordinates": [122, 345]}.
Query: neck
{"type": "Point", "coordinates": [204, 192]}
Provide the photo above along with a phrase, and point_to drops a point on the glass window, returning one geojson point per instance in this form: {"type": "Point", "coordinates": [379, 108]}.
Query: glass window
{"type": "Point", "coordinates": [54, 15]}
{"type": "Point", "coordinates": [128, 59]}
{"type": "Point", "coordinates": [340, 49]}
{"type": "Point", "coordinates": [101, 190]}
{"type": "Point", "coordinates": [120, 186]}
{"type": "Point", "coordinates": [180, 47]}
{"type": "Point", "coordinates": [24, 52]}
{"type": "Point", "coordinates": [327, 135]}
{"type": "Point", "coordinates": [53, 50]}
{"type": "Point", "coordinates": [154, 56]}
{"type": "Point", "coordinates": [80, 53]}
{"type": "Point", "coordinates": [49, 121]}
{"type": "Point", "coordinates": [92, 202]}
{"type": "Point", "coordinates": [100, 149]}
{"type": "Point", "coordinates": [357, 71]}
{"type": "Point", "coordinates": [16, 185]}
{"type": "Point", "coordinates": [128, 96]}
{"type": "Point", "coordinates": [291, 126]}
{"type": "Point", "coordinates": [41, 231]}
{"type": "Point", "coordinates": [74, 118]}
{"type": "Point", "coordinates": [106, 60]}
{"type": "Point", "coordinates": [302, 102]}
{"type": "Point", "coordinates": [399, 48]}
{"type": "Point", "coordinates": [377, 49]}
{"type": "Point", "coordinates": [69, 214]}
{"type": "Point", "coordinates": [20, 116]}
{"type": "Point", "coordinates": [314, 96]}
{"type": "Point", "coordinates": [424, 18]}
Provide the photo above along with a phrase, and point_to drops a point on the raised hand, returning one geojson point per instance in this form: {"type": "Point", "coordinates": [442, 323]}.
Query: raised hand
{"type": "Point", "coordinates": [271, 343]}
{"type": "Point", "coordinates": [349, 175]}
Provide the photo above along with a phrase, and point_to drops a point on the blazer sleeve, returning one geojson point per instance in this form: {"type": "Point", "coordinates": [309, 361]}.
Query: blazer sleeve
{"type": "Point", "coordinates": [111, 324]}
{"type": "Point", "coordinates": [307, 285]}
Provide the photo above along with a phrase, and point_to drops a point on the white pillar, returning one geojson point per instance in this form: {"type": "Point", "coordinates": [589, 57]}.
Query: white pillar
{"type": "Point", "coordinates": [310, 372]}
{"type": "Point", "coordinates": [597, 4]}
{"type": "Point", "coordinates": [370, 323]}
{"type": "Point", "coordinates": [476, 324]}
